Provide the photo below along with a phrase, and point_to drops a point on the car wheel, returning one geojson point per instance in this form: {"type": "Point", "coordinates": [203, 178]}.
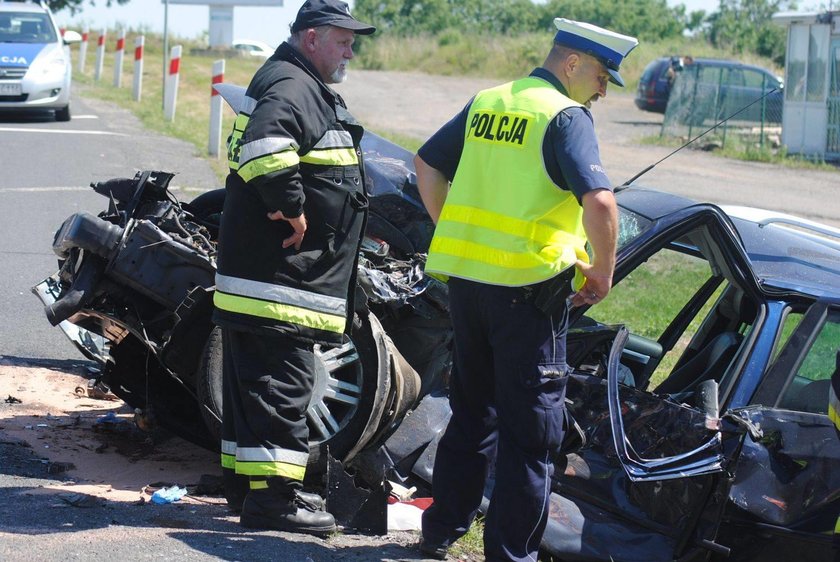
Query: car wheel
{"type": "Point", "coordinates": [351, 386]}
{"type": "Point", "coordinates": [63, 114]}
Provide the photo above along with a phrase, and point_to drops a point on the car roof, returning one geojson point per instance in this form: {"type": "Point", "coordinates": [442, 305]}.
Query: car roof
{"type": "Point", "coordinates": [786, 252]}
{"type": "Point", "coordinates": [721, 62]}
{"type": "Point", "coordinates": [22, 7]}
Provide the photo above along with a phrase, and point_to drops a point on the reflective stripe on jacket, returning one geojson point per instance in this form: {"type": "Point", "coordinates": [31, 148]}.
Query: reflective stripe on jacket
{"type": "Point", "coordinates": [294, 148]}
{"type": "Point", "coordinates": [505, 222]}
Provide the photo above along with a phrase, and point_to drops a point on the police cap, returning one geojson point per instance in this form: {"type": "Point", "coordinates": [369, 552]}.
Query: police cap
{"type": "Point", "coordinates": [607, 46]}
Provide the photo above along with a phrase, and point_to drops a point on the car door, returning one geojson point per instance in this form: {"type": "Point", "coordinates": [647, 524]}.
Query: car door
{"type": "Point", "coordinates": [650, 482]}
{"type": "Point", "coordinates": [785, 496]}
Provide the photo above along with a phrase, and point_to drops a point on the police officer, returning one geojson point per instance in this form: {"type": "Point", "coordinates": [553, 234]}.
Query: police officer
{"type": "Point", "coordinates": [294, 214]}
{"type": "Point", "coordinates": [527, 192]}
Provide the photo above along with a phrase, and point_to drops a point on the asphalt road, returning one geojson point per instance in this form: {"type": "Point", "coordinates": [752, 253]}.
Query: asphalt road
{"type": "Point", "coordinates": [47, 168]}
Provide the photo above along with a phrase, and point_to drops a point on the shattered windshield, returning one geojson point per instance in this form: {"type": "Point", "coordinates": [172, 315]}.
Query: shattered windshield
{"type": "Point", "coordinates": [630, 225]}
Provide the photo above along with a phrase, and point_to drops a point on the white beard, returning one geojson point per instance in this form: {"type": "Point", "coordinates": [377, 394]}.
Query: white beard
{"type": "Point", "coordinates": [339, 75]}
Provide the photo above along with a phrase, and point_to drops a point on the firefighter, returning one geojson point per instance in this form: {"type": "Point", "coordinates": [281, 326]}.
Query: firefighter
{"type": "Point", "coordinates": [293, 219]}
{"type": "Point", "coordinates": [527, 191]}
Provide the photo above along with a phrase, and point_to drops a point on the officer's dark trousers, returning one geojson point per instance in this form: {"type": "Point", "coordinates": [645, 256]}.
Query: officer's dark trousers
{"type": "Point", "coordinates": [267, 385]}
{"type": "Point", "coordinates": [507, 396]}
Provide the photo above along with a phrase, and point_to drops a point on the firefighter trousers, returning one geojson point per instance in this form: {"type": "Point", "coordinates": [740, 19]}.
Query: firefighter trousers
{"type": "Point", "coordinates": [267, 384]}
{"type": "Point", "coordinates": [507, 396]}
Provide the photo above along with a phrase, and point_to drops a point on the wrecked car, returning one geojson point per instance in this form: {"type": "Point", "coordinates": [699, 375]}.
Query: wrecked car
{"type": "Point", "coordinates": [703, 415]}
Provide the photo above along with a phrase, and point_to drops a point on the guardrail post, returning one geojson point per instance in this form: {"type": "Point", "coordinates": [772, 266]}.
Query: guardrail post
{"type": "Point", "coordinates": [100, 55]}
{"type": "Point", "coordinates": [118, 59]}
{"type": "Point", "coordinates": [83, 49]}
{"type": "Point", "coordinates": [171, 85]}
{"type": "Point", "coordinates": [137, 88]}
{"type": "Point", "coordinates": [213, 148]}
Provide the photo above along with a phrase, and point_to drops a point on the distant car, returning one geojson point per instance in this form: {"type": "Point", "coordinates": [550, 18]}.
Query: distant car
{"type": "Point", "coordinates": [740, 83]}
{"type": "Point", "coordinates": [253, 48]}
{"type": "Point", "coordinates": [35, 72]}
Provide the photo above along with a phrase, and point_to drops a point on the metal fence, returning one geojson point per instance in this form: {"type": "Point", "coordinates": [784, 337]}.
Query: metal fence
{"type": "Point", "coordinates": [705, 94]}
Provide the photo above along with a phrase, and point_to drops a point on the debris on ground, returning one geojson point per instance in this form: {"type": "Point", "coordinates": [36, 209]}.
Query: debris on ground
{"type": "Point", "coordinates": [12, 400]}
{"type": "Point", "coordinates": [168, 495]}
{"type": "Point", "coordinates": [96, 390]}
{"type": "Point", "coordinates": [79, 500]}
{"type": "Point", "coordinates": [57, 467]}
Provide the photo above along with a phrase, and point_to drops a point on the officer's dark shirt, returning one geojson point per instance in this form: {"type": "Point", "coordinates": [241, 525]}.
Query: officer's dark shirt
{"type": "Point", "coordinates": [570, 148]}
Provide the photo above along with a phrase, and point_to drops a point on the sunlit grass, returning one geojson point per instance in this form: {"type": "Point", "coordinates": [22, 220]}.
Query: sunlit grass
{"type": "Point", "coordinates": [470, 547]}
{"type": "Point", "coordinates": [737, 149]}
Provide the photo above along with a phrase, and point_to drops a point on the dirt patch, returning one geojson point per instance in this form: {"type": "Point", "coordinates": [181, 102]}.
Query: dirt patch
{"type": "Point", "coordinates": [93, 444]}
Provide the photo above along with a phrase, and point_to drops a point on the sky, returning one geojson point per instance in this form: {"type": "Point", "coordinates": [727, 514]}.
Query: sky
{"type": "Point", "coordinates": [270, 25]}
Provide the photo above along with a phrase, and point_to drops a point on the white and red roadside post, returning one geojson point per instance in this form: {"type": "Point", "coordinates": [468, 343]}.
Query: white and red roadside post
{"type": "Point", "coordinates": [118, 59]}
{"type": "Point", "coordinates": [100, 55]}
{"type": "Point", "coordinates": [83, 49]}
{"type": "Point", "coordinates": [137, 88]}
{"type": "Point", "coordinates": [170, 97]}
{"type": "Point", "coordinates": [216, 109]}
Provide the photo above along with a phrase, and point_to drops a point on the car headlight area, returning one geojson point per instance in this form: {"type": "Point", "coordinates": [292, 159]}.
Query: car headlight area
{"type": "Point", "coordinates": [48, 79]}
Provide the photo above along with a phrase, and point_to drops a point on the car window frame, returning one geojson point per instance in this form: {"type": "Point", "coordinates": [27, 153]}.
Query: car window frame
{"type": "Point", "coordinates": [708, 457]}
{"type": "Point", "coordinates": [779, 376]}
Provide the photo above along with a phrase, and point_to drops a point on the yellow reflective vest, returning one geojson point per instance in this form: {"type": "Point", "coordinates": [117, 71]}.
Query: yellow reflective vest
{"type": "Point", "coordinates": [505, 221]}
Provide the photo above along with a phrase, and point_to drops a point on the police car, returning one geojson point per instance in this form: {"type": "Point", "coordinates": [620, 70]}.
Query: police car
{"type": "Point", "coordinates": [34, 60]}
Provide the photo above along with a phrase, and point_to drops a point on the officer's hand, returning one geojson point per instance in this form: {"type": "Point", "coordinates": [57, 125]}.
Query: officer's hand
{"type": "Point", "coordinates": [298, 225]}
{"type": "Point", "coordinates": [595, 288]}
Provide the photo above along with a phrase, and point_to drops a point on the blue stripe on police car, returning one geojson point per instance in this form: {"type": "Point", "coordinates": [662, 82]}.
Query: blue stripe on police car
{"type": "Point", "coordinates": [19, 54]}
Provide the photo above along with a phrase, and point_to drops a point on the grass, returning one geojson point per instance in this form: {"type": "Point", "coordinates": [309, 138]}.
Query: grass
{"type": "Point", "coordinates": [749, 149]}
{"type": "Point", "coordinates": [470, 546]}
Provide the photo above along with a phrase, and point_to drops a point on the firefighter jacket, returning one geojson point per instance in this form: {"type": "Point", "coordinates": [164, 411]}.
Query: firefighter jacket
{"type": "Point", "coordinates": [294, 148]}
{"type": "Point", "coordinates": [504, 221]}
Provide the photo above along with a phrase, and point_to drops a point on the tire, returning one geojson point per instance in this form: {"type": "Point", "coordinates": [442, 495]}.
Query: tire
{"type": "Point", "coordinates": [351, 387]}
{"type": "Point", "coordinates": [63, 114]}
{"type": "Point", "coordinates": [207, 210]}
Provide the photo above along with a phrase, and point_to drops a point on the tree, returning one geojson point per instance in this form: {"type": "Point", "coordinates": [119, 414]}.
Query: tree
{"type": "Point", "coordinates": [413, 17]}
{"type": "Point", "coordinates": [75, 6]}
{"type": "Point", "coordinates": [649, 20]}
{"type": "Point", "coordinates": [746, 25]}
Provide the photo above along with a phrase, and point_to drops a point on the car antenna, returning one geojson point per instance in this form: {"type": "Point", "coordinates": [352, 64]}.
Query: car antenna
{"type": "Point", "coordinates": [626, 184]}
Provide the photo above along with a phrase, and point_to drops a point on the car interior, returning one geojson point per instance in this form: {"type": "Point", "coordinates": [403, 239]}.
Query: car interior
{"type": "Point", "coordinates": [693, 335]}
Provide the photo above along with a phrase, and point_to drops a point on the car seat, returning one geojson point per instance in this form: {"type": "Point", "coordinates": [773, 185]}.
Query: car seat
{"type": "Point", "coordinates": [813, 397]}
{"type": "Point", "coordinates": [30, 28]}
{"type": "Point", "coordinates": [709, 363]}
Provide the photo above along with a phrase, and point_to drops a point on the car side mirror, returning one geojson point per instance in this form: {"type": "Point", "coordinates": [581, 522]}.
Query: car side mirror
{"type": "Point", "coordinates": [706, 398]}
{"type": "Point", "coordinates": [71, 37]}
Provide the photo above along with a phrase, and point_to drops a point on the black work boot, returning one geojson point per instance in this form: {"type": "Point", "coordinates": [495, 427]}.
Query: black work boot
{"type": "Point", "coordinates": [432, 550]}
{"type": "Point", "coordinates": [265, 509]}
{"type": "Point", "coordinates": [236, 488]}
{"type": "Point", "coordinates": [314, 501]}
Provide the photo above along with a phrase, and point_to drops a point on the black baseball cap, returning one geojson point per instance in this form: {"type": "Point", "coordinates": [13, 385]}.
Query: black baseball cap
{"type": "Point", "coordinates": [315, 13]}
